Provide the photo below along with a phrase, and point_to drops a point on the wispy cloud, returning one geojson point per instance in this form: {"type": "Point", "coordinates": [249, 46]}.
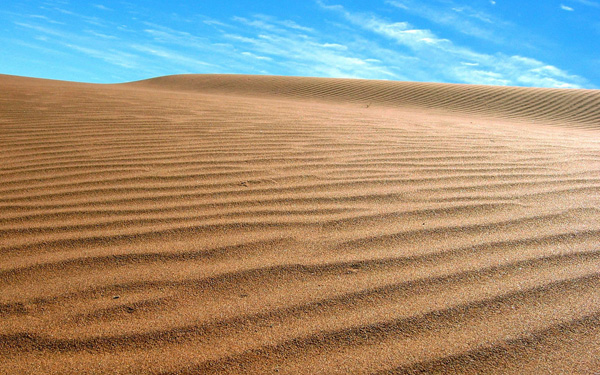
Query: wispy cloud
{"type": "Point", "coordinates": [45, 18]}
{"type": "Point", "coordinates": [42, 29]}
{"type": "Point", "coordinates": [102, 7]}
{"type": "Point", "coordinates": [172, 56]}
{"type": "Point", "coordinates": [309, 53]}
{"type": "Point", "coordinates": [257, 44]}
{"type": "Point", "coordinates": [100, 35]}
{"type": "Point", "coordinates": [111, 56]}
{"type": "Point", "coordinates": [92, 20]}
{"type": "Point", "coordinates": [334, 46]}
{"type": "Point", "coordinates": [456, 63]}
{"type": "Point", "coordinates": [588, 3]}
{"type": "Point", "coordinates": [250, 54]}
{"type": "Point", "coordinates": [461, 18]}
{"type": "Point", "coordinates": [567, 8]}
{"type": "Point", "coordinates": [352, 44]}
{"type": "Point", "coordinates": [271, 23]}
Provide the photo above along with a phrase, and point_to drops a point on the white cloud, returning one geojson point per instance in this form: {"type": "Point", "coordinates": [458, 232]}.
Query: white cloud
{"type": "Point", "coordinates": [588, 3]}
{"type": "Point", "coordinates": [567, 8]}
{"type": "Point", "coordinates": [250, 54]}
{"type": "Point", "coordinates": [400, 32]}
{"type": "Point", "coordinates": [481, 77]}
{"type": "Point", "coordinates": [334, 46]}
{"type": "Point", "coordinates": [88, 19]}
{"type": "Point", "coordinates": [122, 59]}
{"type": "Point", "coordinates": [294, 25]}
{"type": "Point", "coordinates": [462, 18]}
{"type": "Point", "coordinates": [356, 45]}
{"type": "Point", "coordinates": [100, 35]}
{"type": "Point", "coordinates": [310, 53]}
{"type": "Point", "coordinates": [399, 4]}
{"type": "Point", "coordinates": [171, 56]}
{"type": "Point", "coordinates": [265, 22]}
{"type": "Point", "coordinates": [102, 7]}
{"type": "Point", "coordinates": [447, 59]}
{"type": "Point", "coordinates": [41, 48]}
{"type": "Point", "coordinates": [45, 18]}
{"type": "Point", "coordinates": [214, 23]}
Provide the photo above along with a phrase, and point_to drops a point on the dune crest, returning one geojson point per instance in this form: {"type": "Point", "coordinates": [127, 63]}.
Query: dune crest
{"type": "Point", "coordinates": [246, 224]}
{"type": "Point", "coordinates": [575, 107]}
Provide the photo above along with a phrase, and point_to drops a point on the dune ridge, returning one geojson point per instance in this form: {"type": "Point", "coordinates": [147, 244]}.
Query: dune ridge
{"type": "Point", "coordinates": [250, 224]}
{"type": "Point", "coordinates": [548, 105]}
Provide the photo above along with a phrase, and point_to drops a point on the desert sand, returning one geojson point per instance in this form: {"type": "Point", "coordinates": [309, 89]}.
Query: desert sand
{"type": "Point", "coordinates": [215, 224]}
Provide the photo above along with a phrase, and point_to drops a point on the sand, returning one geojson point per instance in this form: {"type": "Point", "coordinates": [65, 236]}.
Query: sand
{"type": "Point", "coordinates": [214, 224]}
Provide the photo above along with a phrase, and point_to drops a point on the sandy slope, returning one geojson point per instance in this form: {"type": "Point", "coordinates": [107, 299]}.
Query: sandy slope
{"type": "Point", "coordinates": [236, 224]}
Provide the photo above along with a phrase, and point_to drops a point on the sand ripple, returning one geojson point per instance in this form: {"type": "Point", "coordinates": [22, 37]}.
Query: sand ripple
{"type": "Point", "coordinates": [239, 224]}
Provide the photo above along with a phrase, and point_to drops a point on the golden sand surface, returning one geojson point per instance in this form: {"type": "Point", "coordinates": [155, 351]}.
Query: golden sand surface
{"type": "Point", "coordinates": [216, 224]}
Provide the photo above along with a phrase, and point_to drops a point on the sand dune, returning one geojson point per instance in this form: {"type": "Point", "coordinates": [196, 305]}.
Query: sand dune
{"type": "Point", "coordinates": [549, 105]}
{"type": "Point", "coordinates": [246, 224]}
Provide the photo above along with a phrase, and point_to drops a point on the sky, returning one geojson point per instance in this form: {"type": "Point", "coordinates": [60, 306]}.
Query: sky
{"type": "Point", "coordinates": [543, 43]}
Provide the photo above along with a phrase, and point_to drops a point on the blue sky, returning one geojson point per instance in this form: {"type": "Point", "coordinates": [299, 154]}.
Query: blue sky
{"type": "Point", "coordinates": [543, 43]}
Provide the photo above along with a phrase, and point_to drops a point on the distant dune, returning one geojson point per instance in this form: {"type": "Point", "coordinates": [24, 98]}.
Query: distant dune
{"type": "Point", "coordinates": [214, 224]}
